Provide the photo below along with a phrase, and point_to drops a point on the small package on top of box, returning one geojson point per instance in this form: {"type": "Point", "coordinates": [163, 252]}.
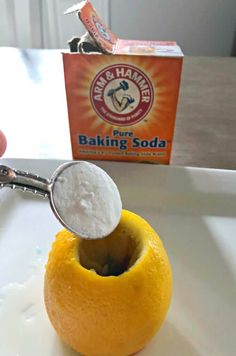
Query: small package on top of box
{"type": "Point", "coordinates": [121, 94]}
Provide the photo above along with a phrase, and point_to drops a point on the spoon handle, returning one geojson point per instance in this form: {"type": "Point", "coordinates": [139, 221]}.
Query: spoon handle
{"type": "Point", "coordinates": [25, 181]}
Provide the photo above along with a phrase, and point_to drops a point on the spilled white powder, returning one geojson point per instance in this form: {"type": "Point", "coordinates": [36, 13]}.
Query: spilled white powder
{"type": "Point", "coordinates": [87, 200]}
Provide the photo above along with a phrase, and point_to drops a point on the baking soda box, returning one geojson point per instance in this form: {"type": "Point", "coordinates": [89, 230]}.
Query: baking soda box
{"type": "Point", "coordinates": [122, 94]}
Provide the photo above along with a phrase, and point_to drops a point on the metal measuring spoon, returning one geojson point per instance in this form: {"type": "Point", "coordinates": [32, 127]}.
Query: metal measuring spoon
{"type": "Point", "coordinates": [91, 196]}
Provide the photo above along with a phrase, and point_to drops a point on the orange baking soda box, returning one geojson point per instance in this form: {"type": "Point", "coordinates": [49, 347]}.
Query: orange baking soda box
{"type": "Point", "coordinates": [122, 97]}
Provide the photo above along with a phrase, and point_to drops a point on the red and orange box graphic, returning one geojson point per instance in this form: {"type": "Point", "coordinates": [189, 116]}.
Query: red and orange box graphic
{"type": "Point", "coordinates": [122, 106]}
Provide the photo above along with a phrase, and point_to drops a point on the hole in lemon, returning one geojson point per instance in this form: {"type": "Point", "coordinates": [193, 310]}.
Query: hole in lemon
{"type": "Point", "coordinates": [110, 256]}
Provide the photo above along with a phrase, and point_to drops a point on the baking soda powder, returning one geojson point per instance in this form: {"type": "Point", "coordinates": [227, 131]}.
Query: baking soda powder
{"type": "Point", "coordinates": [88, 200]}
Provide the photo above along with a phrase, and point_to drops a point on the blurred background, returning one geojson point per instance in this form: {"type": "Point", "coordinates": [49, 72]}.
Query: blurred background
{"type": "Point", "coordinates": [201, 27]}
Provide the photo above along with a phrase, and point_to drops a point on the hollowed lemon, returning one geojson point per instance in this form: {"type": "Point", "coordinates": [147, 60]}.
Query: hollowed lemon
{"type": "Point", "coordinates": [108, 297]}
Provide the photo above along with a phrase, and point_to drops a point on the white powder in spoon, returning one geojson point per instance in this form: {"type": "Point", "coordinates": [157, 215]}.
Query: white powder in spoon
{"type": "Point", "coordinates": [87, 200]}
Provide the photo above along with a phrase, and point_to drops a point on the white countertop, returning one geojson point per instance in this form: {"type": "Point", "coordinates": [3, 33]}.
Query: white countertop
{"type": "Point", "coordinates": [33, 108]}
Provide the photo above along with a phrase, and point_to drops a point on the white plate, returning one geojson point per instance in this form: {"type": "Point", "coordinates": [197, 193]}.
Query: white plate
{"type": "Point", "coordinates": [193, 210]}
